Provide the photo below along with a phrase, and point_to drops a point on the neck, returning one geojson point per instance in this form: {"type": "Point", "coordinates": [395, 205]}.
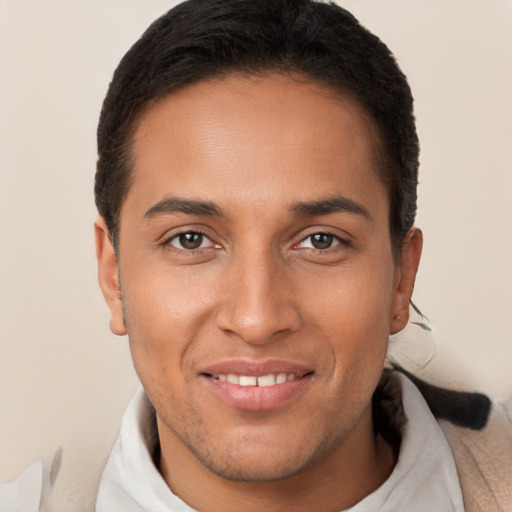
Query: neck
{"type": "Point", "coordinates": [357, 466]}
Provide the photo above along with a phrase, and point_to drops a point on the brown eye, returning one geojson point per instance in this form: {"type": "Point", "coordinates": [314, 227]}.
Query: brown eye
{"type": "Point", "coordinates": [189, 241]}
{"type": "Point", "coordinates": [320, 241]}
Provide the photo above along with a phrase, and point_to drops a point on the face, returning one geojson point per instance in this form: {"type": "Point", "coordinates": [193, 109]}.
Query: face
{"type": "Point", "coordinates": [257, 280]}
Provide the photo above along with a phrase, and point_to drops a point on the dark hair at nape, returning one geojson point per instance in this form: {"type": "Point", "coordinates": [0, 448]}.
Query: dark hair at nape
{"type": "Point", "coordinates": [200, 39]}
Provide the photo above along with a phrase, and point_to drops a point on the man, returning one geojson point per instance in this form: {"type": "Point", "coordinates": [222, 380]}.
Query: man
{"type": "Point", "coordinates": [256, 187]}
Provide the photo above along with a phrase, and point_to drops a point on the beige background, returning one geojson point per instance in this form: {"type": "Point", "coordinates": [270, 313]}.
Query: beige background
{"type": "Point", "coordinates": [64, 379]}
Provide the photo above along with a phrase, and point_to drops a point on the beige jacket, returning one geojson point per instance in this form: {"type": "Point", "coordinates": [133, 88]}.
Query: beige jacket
{"type": "Point", "coordinates": [484, 462]}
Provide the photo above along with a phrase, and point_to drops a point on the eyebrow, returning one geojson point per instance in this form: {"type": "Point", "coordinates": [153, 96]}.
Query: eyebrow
{"type": "Point", "coordinates": [169, 205]}
{"type": "Point", "coordinates": [330, 205]}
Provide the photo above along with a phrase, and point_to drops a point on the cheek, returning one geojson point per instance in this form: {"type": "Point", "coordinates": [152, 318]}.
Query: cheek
{"type": "Point", "coordinates": [352, 308]}
{"type": "Point", "coordinates": [359, 334]}
{"type": "Point", "coordinates": [163, 314]}
{"type": "Point", "coordinates": [352, 298]}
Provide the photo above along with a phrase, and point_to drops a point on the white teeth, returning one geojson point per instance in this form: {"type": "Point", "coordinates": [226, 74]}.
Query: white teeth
{"type": "Point", "coordinates": [248, 380]}
{"type": "Point", "coordinates": [281, 378]}
{"type": "Point", "coordinates": [233, 379]}
{"type": "Point", "coordinates": [267, 380]}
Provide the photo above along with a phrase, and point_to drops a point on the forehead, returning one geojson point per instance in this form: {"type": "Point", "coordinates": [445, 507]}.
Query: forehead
{"type": "Point", "coordinates": [273, 138]}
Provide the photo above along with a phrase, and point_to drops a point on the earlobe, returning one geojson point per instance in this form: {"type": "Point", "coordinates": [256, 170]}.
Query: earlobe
{"type": "Point", "coordinates": [108, 272]}
{"type": "Point", "coordinates": [406, 276]}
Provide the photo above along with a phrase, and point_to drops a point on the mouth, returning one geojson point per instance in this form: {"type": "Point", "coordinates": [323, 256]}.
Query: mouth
{"type": "Point", "coordinates": [257, 386]}
{"type": "Point", "coordinates": [271, 379]}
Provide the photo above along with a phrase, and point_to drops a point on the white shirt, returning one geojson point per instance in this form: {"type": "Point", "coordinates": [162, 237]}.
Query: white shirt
{"type": "Point", "coordinates": [424, 479]}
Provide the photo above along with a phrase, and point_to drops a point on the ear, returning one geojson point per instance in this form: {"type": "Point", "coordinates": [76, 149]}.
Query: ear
{"type": "Point", "coordinates": [108, 276]}
{"type": "Point", "coordinates": [405, 277]}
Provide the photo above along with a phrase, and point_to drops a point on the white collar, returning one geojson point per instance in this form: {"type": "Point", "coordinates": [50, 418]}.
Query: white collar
{"type": "Point", "coordinates": [130, 481]}
{"type": "Point", "coordinates": [425, 477]}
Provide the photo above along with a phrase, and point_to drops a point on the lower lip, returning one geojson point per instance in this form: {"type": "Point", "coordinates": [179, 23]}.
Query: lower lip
{"type": "Point", "coordinates": [257, 398]}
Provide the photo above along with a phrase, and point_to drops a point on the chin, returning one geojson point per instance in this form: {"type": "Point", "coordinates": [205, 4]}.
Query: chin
{"type": "Point", "coordinates": [267, 470]}
{"type": "Point", "coordinates": [250, 461]}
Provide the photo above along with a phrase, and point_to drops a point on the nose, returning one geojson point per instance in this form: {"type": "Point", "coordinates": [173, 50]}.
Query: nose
{"type": "Point", "coordinates": [259, 303]}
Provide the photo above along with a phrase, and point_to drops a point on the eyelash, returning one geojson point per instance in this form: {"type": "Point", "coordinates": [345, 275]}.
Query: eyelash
{"type": "Point", "coordinates": [168, 241]}
{"type": "Point", "coordinates": [339, 242]}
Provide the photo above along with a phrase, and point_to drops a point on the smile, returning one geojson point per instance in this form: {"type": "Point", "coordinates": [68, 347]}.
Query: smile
{"type": "Point", "coordinates": [256, 386]}
{"type": "Point", "coordinates": [268, 380]}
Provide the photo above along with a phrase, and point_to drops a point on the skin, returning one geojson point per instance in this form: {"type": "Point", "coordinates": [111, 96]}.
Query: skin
{"type": "Point", "coordinates": [258, 288]}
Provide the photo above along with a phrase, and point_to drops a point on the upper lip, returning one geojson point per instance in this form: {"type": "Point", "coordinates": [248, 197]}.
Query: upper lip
{"type": "Point", "coordinates": [256, 368]}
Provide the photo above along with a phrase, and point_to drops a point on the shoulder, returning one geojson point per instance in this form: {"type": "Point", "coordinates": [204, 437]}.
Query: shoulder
{"type": "Point", "coordinates": [479, 433]}
{"type": "Point", "coordinates": [484, 460]}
